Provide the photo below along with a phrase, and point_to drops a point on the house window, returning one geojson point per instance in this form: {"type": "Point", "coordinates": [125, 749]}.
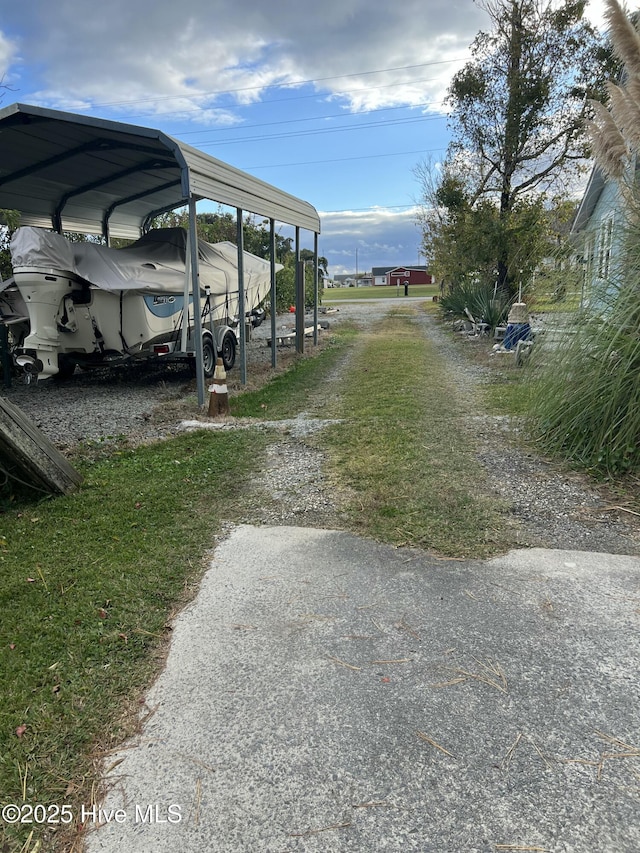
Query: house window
{"type": "Point", "coordinates": [588, 265]}
{"type": "Point", "coordinates": [604, 248]}
{"type": "Point", "coordinates": [589, 254]}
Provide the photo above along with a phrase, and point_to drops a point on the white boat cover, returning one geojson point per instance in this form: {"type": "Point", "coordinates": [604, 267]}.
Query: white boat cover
{"type": "Point", "coordinates": [155, 263]}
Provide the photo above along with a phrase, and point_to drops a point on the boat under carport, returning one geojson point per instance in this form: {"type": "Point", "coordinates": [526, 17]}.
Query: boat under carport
{"type": "Point", "coordinates": [76, 173]}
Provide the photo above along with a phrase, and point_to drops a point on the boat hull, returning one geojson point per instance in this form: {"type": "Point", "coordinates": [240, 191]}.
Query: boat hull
{"type": "Point", "coordinates": [118, 305]}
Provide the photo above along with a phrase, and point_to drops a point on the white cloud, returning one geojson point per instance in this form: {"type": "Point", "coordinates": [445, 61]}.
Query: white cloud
{"type": "Point", "coordinates": [8, 59]}
{"type": "Point", "coordinates": [379, 235]}
{"type": "Point", "coordinates": [168, 63]}
{"type": "Point", "coordinates": [124, 52]}
{"type": "Point", "coordinates": [595, 12]}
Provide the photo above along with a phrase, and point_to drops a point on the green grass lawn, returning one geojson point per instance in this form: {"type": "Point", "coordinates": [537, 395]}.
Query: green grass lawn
{"type": "Point", "coordinates": [285, 395]}
{"type": "Point", "coordinates": [403, 451]}
{"type": "Point", "coordinates": [337, 294]}
{"type": "Point", "coordinates": [89, 583]}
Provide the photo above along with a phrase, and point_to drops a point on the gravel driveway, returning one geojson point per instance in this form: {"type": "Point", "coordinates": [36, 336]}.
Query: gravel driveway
{"type": "Point", "coordinates": [552, 508]}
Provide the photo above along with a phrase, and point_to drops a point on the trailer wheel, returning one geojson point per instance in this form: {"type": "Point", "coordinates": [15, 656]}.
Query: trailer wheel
{"type": "Point", "coordinates": [208, 356]}
{"type": "Point", "coordinates": [228, 350]}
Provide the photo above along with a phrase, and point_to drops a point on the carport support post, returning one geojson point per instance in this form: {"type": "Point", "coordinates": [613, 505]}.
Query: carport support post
{"type": "Point", "coordinates": [315, 289]}
{"type": "Point", "coordinates": [272, 236]}
{"type": "Point", "coordinates": [186, 290]}
{"type": "Point", "coordinates": [195, 287]}
{"type": "Point", "coordinates": [241, 305]}
{"type": "Point", "coordinates": [299, 297]}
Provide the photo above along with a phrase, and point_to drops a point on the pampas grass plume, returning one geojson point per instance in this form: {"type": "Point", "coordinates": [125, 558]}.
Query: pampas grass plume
{"type": "Point", "coordinates": [625, 37]}
{"type": "Point", "coordinates": [609, 147]}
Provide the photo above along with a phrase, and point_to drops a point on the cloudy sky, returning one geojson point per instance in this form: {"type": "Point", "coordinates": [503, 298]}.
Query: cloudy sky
{"type": "Point", "coordinates": [334, 102]}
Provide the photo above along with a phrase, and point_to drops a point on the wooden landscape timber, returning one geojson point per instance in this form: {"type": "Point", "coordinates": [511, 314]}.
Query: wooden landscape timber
{"type": "Point", "coordinates": [286, 338]}
{"type": "Point", "coordinates": [27, 455]}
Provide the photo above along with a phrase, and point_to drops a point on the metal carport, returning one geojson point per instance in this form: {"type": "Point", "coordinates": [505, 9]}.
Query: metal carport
{"type": "Point", "coordinates": [73, 172]}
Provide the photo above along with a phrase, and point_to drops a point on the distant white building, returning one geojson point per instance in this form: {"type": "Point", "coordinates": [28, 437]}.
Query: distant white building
{"type": "Point", "coordinates": [350, 280]}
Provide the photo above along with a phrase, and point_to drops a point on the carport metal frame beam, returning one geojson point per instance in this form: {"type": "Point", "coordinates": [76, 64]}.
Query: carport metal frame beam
{"type": "Point", "coordinates": [272, 240]}
{"type": "Point", "coordinates": [241, 301]}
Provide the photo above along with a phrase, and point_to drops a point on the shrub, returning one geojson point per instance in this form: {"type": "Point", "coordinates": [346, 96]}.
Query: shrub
{"type": "Point", "coordinates": [587, 406]}
{"type": "Point", "coordinates": [481, 301]}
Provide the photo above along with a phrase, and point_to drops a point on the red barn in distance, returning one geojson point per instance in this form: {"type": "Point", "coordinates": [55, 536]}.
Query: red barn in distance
{"type": "Point", "coordinates": [399, 276]}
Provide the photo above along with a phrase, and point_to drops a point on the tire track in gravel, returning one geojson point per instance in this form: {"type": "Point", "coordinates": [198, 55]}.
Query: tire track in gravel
{"type": "Point", "coordinates": [553, 508]}
{"type": "Point", "coordinates": [294, 488]}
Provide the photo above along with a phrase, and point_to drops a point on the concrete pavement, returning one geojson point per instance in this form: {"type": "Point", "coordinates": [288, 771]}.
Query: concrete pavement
{"type": "Point", "coordinates": [327, 693]}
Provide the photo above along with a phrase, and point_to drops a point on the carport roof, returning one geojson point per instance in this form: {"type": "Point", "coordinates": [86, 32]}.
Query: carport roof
{"type": "Point", "coordinates": [78, 173]}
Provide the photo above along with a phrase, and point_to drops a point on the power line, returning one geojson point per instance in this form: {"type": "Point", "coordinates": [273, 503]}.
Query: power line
{"type": "Point", "coordinates": [313, 95]}
{"type": "Point", "coordinates": [319, 118]}
{"type": "Point", "coordinates": [379, 209]}
{"type": "Point", "coordinates": [341, 159]}
{"type": "Point", "coordinates": [283, 85]}
{"type": "Point", "coordinates": [317, 132]}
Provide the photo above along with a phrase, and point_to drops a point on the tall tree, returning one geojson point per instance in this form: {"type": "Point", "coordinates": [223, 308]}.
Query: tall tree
{"type": "Point", "coordinates": [307, 256]}
{"type": "Point", "coordinates": [518, 110]}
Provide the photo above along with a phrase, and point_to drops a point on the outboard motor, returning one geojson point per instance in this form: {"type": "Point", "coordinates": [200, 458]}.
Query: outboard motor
{"type": "Point", "coordinates": [29, 365]}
